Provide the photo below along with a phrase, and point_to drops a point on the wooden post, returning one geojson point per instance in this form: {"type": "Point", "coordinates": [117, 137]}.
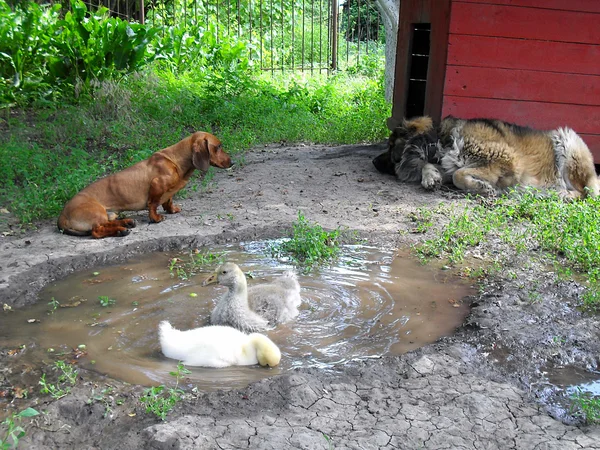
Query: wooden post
{"type": "Point", "coordinates": [142, 18]}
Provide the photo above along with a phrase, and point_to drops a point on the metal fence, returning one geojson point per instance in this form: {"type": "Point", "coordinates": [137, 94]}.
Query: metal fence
{"type": "Point", "coordinates": [283, 35]}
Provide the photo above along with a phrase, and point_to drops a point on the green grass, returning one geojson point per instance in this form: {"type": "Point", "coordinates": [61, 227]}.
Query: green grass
{"type": "Point", "coordinates": [588, 405]}
{"type": "Point", "coordinates": [48, 154]}
{"type": "Point", "coordinates": [310, 245]}
{"type": "Point", "coordinates": [159, 400]}
{"type": "Point", "coordinates": [525, 219]}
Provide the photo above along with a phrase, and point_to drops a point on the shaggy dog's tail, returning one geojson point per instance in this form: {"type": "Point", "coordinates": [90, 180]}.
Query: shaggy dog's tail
{"type": "Point", "coordinates": [574, 162]}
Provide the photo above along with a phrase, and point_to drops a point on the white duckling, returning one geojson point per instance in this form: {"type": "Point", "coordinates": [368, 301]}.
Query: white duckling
{"type": "Point", "coordinates": [217, 346]}
{"type": "Point", "coordinates": [255, 308]}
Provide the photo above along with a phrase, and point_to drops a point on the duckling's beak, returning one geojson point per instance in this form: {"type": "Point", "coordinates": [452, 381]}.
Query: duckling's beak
{"type": "Point", "coordinates": [210, 280]}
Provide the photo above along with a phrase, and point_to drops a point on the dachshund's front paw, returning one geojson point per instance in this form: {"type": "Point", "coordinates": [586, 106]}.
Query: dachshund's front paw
{"type": "Point", "coordinates": [157, 218]}
{"type": "Point", "coordinates": [129, 223]}
{"type": "Point", "coordinates": [174, 209]}
{"type": "Point", "coordinates": [123, 232]}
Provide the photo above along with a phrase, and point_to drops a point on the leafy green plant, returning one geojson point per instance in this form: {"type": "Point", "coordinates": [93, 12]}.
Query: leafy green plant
{"type": "Point", "coordinates": [53, 304]}
{"type": "Point", "coordinates": [159, 400]}
{"type": "Point", "coordinates": [105, 396]}
{"type": "Point", "coordinates": [106, 301]}
{"type": "Point", "coordinates": [13, 430]}
{"type": "Point", "coordinates": [24, 50]}
{"type": "Point", "coordinates": [589, 405]}
{"type": "Point", "coordinates": [67, 378]}
{"type": "Point", "coordinates": [92, 45]}
{"type": "Point", "coordinates": [310, 245]}
{"type": "Point", "coordinates": [196, 261]}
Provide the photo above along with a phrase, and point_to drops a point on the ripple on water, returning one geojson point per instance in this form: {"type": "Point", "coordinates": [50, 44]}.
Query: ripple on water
{"type": "Point", "coordinates": [372, 302]}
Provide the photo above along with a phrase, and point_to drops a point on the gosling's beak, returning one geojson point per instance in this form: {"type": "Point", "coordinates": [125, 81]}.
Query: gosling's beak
{"type": "Point", "coordinates": [210, 280]}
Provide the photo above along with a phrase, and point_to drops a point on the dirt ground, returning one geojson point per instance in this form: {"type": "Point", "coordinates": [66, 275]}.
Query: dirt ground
{"type": "Point", "coordinates": [483, 388]}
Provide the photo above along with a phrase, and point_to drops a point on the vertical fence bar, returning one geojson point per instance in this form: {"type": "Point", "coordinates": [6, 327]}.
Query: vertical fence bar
{"type": "Point", "coordinates": [303, 28]}
{"type": "Point", "coordinates": [334, 33]}
{"type": "Point", "coordinates": [320, 35]}
{"type": "Point", "coordinates": [312, 36]}
{"type": "Point", "coordinates": [228, 15]}
{"type": "Point", "coordinates": [282, 40]}
{"type": "Point", "coordinates": [239, 19]}
{"type": "Point", "coordinates": [271, 43]}
{"type": "Point", "coordinates": [358, 40]}
{"type": "Point", "coordinates": [293, 35]}
{"type": "Point", "coordinates": [261, 33]}
{"type": "Point", "coordinates": [347, 36]}
{"type": "Point", "coordinates": [250, 32]}
{"type": "Point", "coordinates": [368, 27]}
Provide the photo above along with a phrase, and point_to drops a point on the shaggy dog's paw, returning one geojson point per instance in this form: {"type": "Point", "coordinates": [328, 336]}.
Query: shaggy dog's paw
{"type": "Point", "coordinates": [432, 178]}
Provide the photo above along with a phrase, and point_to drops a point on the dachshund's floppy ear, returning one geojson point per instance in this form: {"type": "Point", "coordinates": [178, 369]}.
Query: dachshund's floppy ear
{"type": "Point", "coordinates": [201, 154]}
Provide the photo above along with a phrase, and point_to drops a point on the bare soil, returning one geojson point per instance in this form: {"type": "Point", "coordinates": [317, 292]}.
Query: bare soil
{"type": "Point", "coordinates": [484, 387]}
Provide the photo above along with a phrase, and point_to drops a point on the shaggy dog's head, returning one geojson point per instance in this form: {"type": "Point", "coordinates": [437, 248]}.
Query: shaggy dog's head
{"type": "Point", "coordinates": [407, 131]}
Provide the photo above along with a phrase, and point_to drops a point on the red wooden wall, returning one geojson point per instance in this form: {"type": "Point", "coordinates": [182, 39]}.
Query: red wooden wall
{"type": "Point", "coordinates": [532, 62]}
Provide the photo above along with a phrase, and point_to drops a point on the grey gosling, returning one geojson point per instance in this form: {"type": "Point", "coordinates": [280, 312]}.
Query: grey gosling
{"type": "Point", "coordinates": [255, 308]}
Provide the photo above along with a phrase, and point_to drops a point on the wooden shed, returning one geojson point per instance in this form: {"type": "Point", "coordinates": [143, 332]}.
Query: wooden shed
{"type": "Point", "coordinates": [532, 62]}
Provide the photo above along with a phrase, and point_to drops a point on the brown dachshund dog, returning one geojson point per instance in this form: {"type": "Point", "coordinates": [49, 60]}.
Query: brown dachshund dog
{"type": "Point", "coordinates": [145, 185]}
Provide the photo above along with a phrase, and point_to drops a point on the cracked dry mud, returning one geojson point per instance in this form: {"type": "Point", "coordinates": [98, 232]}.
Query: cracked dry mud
{"type": "Point", "coordinates": [482, 388]}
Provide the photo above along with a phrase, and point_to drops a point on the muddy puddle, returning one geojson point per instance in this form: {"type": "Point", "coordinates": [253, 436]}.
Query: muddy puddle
{"type": "Point", "coordinates": [372, 302]}
{"type": "Point", "coordinates": [573, 380]}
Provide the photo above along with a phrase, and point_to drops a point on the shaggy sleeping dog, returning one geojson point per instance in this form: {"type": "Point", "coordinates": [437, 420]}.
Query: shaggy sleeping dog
{"type": "Point", "coordinates": [486, 156]}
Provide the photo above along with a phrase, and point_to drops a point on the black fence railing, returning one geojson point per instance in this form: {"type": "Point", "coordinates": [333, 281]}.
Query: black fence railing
{"type": "Point", "coordinates": [283, 35]}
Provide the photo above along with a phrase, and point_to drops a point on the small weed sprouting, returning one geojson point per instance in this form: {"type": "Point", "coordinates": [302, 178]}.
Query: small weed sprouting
{"type": "Point", "coordinates": [106, 301]}
{"type": "Point", "coordinates": [53, 304]}
{"type": "Point", "coordinates": [329, 442]}
{"type": "Point", "coordinates": [534, 297]}
{"type": "Point", "coordinates": [13, 430]}
{"type": "Point", "coordinates": [184, 270]}
{"type": "Point", "coordinates": [591, 298]}
{"type": "Point", "coordinates": [423, 220]}
{"type": "Point", "coordinates": [159, 400]}
{"type": "Point", "coordinates": [66, 379]}
{"type": "Point", "coordinates": [105, 396]}
{"type": "Point", "coordinates": [309, 245]}
{"type": "Point", "coordinates": [588, 405]}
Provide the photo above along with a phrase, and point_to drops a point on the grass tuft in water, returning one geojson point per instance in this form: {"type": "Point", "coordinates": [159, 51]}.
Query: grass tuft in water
{"type": "Point", "coordinates": [195, 263]}
{"type": "Point", "coordinates": [525, 219]}
{"type": "Point", "coordinates": [159, 400]}
{"type": "Point", "coordinates": [588, 405]}
{"type": "Point", "coordinates": [310, 245]}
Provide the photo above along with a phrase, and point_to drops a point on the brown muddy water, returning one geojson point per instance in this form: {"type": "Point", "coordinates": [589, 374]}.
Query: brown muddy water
{"type": "Point", "coordinates": [372, 302]}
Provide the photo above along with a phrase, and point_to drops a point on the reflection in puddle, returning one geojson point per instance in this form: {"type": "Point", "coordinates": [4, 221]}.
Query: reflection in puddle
{"type": "Point", "coordinates": [370, 303]}
{"type": "Point", "coordinates": [573, 380]}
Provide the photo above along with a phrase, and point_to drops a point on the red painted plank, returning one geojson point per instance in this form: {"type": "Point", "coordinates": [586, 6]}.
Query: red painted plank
{"type": "Point", "coordinates": [527, 23]}
{"type": "Point", "coordinates": [582, 118]}
{"type": "Point", "coordinates": [593, 142]}
{"type": "Point", "coordinates": [567, 5]}
{"type": "Point", "coordinates": [510, 84]}
{"type": "Point", "coordinates": [507, 53]}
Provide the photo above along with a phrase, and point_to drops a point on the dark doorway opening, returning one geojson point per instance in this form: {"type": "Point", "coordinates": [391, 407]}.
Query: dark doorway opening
{"type": "Point", "coordinates": [419, 65]}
